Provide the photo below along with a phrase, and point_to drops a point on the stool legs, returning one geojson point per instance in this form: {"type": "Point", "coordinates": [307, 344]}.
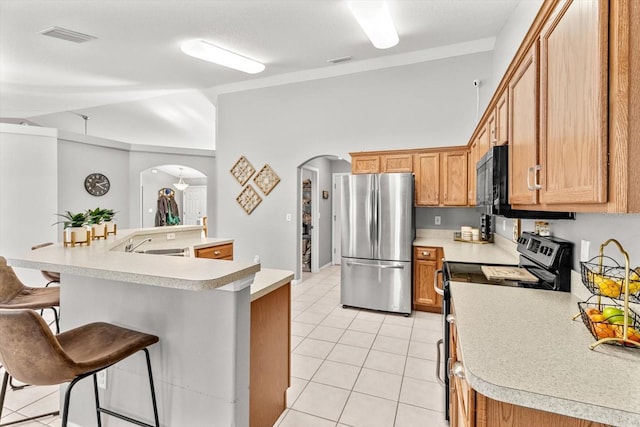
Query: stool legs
{"type": "Point", "coordinates": [100, 409]}
{"type": "Point", "coordinates": [3, 392]}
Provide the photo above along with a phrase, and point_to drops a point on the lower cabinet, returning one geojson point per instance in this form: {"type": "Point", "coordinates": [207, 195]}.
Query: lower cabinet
{"type": "Point", "coordinates": [426, 261]}
{"type": "Point", "coordinates": [269, 356]}
{"type": "Point", "coordinates": [468, 408]}
{"type": "Point", "coordinates": [224, 252]}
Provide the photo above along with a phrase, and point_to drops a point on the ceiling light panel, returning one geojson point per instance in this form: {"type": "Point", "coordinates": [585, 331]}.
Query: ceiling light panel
{"type": "Point", "coordinates": [208, 52]}
{"type": "Point", "coordinates": [65, 34]}
{"type": "Point", "coordinates": [376, 22]}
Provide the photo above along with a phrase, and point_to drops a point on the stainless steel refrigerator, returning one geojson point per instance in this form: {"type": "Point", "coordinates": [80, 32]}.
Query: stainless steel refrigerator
{"type": "Point", "coordinates": [377, 237]}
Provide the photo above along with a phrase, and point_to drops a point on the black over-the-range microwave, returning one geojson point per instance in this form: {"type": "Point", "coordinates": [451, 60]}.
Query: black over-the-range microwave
{"type": "Point", "coordinates": [492, 191]}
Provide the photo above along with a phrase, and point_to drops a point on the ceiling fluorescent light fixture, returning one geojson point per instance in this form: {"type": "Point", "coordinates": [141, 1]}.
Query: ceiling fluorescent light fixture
{"type": "Point", "coordinates": [208, 52]}
{"type": "Point", "coordinates": [376, 22]}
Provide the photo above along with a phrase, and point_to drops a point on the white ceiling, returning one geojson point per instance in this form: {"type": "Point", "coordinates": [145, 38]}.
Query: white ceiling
{"type": "Point", "coordinates": [137, 51]}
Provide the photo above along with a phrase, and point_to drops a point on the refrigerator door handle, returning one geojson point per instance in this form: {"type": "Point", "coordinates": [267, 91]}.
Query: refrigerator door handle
{"type": "Point", "coordinates": [375, 226]}
{"type": "Point", "coordinates": [362, 264]}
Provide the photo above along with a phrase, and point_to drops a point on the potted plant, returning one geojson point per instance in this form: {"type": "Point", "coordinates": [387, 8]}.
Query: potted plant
{"type": "Point", "coordinates": [75, 227]}
{"type": "Point", "coordinates": [101, 221]}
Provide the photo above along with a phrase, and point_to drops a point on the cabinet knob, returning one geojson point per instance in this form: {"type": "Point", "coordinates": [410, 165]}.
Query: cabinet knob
{"type": "Point", "coordinates": [458, 370]}
{"type": "Point", "coordinates": [425, 253]}
{"type": "Point", "coordinates": [216, 252]}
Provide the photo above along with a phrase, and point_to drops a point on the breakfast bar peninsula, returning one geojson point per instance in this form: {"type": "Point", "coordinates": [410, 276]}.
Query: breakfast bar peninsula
{"type": "Point", "coordinates": [200, 309]}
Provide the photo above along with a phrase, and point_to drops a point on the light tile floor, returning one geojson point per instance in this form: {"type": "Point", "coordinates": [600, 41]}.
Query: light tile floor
{"type": "Point", "coordinates": [349, 367]}
{"type": "Point", "coordinates": [359, 368]}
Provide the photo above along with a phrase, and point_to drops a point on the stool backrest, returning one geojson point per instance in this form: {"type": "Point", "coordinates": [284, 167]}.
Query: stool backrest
{"type": "Point", "coordinates": [30, 352]}
{"type": "Point", "coordinates": [10, 285]}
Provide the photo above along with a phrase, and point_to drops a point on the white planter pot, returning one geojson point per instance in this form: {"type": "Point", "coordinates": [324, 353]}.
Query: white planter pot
{"type": "Point", "coordinates": [111, 227]}
{"type": "Point", "coordinates": [98, 230]}
{"type": "Point", "coordinates": [77, 235]}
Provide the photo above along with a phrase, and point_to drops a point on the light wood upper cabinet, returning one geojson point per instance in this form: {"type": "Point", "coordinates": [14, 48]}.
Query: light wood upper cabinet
{"type": "Point", "coordinates": [484, 139]}
{"type": "Point", "coordinates": [441, 178]}
{"type": "Point", "coordinates": [472, 173]}
{"type": "Point", "coordinates": [523, 131]}
{"type": "Point", "coordinates": [427, 179]}
{"type": "Point", "coordinates": [381, 163]}
{"type": "Point", "coordinates": [573, 103]}
{"type": "Point", "coordinates": [390, 163]}
{"type": "Point", "coordinates": [365, 163]}
{"type": "Point", "coordinates": [454, 178]}
{"type": "Point", "coordinates": [502, 120]}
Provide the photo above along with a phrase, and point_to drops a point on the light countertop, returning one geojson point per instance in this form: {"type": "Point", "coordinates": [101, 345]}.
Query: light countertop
{"type": "Point", "coordinates": [520, 346]}
{"type": "Point", "coordinates": [106, 259]}
{"type": "Point", "coordinates": [268, 280]}
{"type": "Point", "coordinates": [502, 251]}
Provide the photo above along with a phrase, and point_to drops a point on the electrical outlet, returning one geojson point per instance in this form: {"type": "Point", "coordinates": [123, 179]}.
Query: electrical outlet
{"type": "Point", "coordinates": [171, 236]}
{"type": "Point", "coordinates": [102, 379]}
{"type": "Point", "coordinates": [438, 219]}
{"type": "Point", "coordinates": [288, 217]}
{"type": "Point", "coordinates": [584, 250]}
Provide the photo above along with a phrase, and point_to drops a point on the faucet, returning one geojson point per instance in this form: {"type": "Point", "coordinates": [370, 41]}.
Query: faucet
{"type": "Point", "coordinates": [131, 248]}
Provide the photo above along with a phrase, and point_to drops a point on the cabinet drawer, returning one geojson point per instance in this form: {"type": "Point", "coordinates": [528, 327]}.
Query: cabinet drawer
{"type": "Point", "coordinates": [216, 252]}
{"type": "Point", "coordinates": [424, 253]}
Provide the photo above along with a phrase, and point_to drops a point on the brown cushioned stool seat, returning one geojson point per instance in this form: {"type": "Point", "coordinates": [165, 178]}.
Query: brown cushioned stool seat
{"type": "Point", "coordinates": [15, 295]}
{"type": "Point", "coordinates": [51, 276]}
{"type": "Point", "coordinates": [31, 353]}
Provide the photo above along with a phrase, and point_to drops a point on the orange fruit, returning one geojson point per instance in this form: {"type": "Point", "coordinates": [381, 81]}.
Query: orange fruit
{"type": "Point", "coordinates": [603, 330]}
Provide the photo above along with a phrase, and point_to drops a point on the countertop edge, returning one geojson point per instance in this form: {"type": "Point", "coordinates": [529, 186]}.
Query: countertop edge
{"type": "Point", "coordinates": [268, 280]}
{"type": "Point", "coordinates": [475, 358]}
{"type": "Point", "coordinates": [570, 408]}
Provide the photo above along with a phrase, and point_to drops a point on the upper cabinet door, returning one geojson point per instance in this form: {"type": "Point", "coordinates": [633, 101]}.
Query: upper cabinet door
{"type": "Point", "coordinates": [454, 178]}
{"type": "Point", "coordinates": [502, 122]}
{"type": "Point", "coordinates": [427, 182]}
{"type": "Point", "coordinates": [523, 131]}
{"type": "Point", "coordinates": [390, 163]}
{"type": "Point", "coordinates": [365, 163]}
{"type": "Point", "coordinates": [573, 103]}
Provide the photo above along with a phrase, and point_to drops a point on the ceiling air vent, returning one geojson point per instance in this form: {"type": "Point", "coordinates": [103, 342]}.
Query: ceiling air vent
{"type": "Point", "coordinates": [64, 34]}
{"type": "Point", "coordinates": [339, 60]}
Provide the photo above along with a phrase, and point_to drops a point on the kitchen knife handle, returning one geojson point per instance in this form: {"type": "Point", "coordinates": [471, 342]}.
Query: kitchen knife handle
{"type": "Point", "coordinates": [438, 347]}
{"type": "Point", "coordinates": [435, 283]}
{"type": "Point", "coordinates": [362, 264]}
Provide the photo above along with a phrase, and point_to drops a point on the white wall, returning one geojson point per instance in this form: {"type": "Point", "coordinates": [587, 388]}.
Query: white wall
{"type": "Point", "coordinates": [28, 191]}
{"type": "Point", "coordinates": [421, 105]}
{"type": "Point", "coordinates": [77, 160]}
{"type": "Point", "coordinates": [511, 36]}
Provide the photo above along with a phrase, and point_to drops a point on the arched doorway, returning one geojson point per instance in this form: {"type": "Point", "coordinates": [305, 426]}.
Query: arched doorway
{"type": "Point", "coordinates": [316, 220]}
{"type": "Point", "coordinates": [191, 201]}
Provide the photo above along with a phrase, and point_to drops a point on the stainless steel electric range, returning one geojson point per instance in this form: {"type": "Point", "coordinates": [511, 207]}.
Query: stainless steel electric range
{"type": "Point", "coordinates": [548, 259]}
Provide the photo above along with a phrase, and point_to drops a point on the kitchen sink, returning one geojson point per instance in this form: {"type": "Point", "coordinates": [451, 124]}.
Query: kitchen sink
{"type": "Point", "coordinates": [171, 252]}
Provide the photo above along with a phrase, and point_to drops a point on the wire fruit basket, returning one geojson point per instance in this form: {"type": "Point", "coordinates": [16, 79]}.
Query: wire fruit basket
{"type": "Point", "coordinates": [603, 325]}
{"type": "Point", "coordinates": [604, 277]}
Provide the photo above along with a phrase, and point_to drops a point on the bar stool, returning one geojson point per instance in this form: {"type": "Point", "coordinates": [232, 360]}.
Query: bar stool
{"type": "Point", "coordinates": [31, 353]}
{"type": "Point", "coordinates": [15, 295]}
{"type": "Point", "coordinates": [50, 276]}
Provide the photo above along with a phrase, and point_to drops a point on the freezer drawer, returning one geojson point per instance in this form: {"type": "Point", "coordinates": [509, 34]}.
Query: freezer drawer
{"type": "Point", "coordinates": [376, 285]}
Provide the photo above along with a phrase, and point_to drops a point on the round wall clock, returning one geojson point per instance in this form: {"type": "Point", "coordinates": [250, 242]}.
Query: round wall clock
{"type": "Point", "coordinates": [97, 184]}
